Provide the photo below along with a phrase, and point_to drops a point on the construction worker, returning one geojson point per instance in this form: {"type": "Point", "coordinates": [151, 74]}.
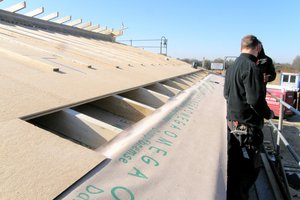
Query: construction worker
{"type": "Point", "coordinates": [244, 91]}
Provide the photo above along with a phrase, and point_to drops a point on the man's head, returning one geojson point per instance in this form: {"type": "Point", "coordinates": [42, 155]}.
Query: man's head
{"type": "Point", "coordinates": [250, 44]}
{"type": "Point", "coordinates": [261, 52]}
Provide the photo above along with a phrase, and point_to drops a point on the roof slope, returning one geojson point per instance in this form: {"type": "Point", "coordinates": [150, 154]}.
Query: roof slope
{"type": "Point", "coordinates": [83, 64]}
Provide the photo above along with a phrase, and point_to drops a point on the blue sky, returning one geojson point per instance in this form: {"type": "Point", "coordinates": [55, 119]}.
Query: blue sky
{"type": "Point", "coordinates": [194, 29]}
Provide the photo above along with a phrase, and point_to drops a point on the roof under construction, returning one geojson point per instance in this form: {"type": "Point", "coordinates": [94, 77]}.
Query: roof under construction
{"type": "Point", "coordinates": [82, 115]}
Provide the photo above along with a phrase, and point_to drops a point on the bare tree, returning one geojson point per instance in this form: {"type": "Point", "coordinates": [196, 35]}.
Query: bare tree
{"type": "Point", "coordinates": [228, 63]}
{"type": "Point", "coordinates": [296, 63]}
{"type": "Point", "coordinates": [218, 60]}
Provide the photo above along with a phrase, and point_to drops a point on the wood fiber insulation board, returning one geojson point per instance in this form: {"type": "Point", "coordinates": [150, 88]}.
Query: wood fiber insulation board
{"type": "Point", "coordinates": [27, 88]}
{"type": "Point", "coordinates": [67, 43]}
{"type": "Point", "coordinates": [36, 164]}
{"type": "Point", "coordinates": [111, 51]}
{"type": "Point", "coordinates": [20, 99]}
{"type": "Point", "coordinates": [32, 89]}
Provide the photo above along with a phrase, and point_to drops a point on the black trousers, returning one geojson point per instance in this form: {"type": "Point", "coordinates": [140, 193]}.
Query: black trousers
{"type": "Point", "coordinates": [243, 170]}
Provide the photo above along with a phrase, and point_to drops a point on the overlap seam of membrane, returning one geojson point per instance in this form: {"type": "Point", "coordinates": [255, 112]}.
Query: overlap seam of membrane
{"type": "Point", "coordinates": [139, 129]}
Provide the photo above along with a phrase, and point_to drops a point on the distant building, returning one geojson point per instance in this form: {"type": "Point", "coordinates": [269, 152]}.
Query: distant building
{"type": "Point", "coordinates": [289, 79]}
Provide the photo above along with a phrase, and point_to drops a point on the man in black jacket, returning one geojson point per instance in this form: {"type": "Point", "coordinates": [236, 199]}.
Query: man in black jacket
{"type": "Point", "coordinates": [244, 91]}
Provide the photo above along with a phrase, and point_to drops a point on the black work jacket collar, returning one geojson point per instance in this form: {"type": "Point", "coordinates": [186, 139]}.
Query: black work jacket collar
{"type": "Point", "coordinates": [250, 56]}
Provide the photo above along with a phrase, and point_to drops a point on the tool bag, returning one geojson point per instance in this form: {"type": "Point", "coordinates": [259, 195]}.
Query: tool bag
{"type": "Point", "coordinates": [247, 136]}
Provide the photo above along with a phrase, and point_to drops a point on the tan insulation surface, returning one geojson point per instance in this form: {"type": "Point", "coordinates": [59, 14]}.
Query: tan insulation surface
{"type": "Point", "coordinates": [73, 82]}
{"type": "Point", "coordinates": [37, 165]}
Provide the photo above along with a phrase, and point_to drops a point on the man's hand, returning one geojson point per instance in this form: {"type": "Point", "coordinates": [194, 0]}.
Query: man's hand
{"type": "Point", "coordinates": [266, 78]}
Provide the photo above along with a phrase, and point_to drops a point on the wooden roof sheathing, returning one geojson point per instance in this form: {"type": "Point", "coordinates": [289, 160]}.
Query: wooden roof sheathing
{"type": "Point", "coordinates": [47, 68]}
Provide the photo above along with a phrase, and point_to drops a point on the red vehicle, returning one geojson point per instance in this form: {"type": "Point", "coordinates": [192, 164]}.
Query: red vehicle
{"type": "Point", "coordinates": [290, 97]}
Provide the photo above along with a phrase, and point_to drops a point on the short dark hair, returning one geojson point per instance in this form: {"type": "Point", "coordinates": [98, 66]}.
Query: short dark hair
{"type": "Point", "coordinates": [249, 42]}
{"type": "Point", "coordinates": [259, 42]}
